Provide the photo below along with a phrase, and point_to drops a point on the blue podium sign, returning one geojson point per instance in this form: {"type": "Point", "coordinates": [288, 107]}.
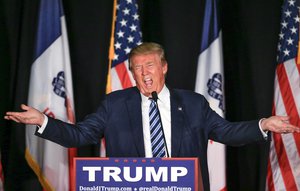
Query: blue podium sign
{"type": "Point", "coordinates": [136, 174]}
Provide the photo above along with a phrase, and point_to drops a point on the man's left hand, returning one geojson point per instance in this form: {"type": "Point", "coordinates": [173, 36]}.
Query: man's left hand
{"type": "Point", "coordinates": [279, 124]}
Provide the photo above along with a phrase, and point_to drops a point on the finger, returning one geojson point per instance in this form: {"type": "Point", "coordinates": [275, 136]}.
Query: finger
{"type": "Point", "coordinates": [25, 107]}
{"type": "Point", "coordinates": [12, 113]}
{"type": "Point", "coordinates": [291, 126]}
{"type": "Point", "coordinates": [286, 122]}
{"type": "Point", "coordinates": [291, 129]}
{"type": "Point", "coordinates": [284, 118]}
{"type": "Point", "coordinates": [13, 119]}
{"type": "Point", "coordinates": [295, 129]}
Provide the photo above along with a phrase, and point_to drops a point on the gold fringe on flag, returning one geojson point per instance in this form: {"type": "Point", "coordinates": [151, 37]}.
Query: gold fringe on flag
{"type": "Point", "coordinates": [38, 171]}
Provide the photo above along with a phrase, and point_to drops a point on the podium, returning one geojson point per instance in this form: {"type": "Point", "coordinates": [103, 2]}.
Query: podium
{"type": "Point", "coordinates": [137, 174]}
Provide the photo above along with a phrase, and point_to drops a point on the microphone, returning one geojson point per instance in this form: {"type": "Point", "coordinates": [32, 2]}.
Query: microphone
{"type": "Point", "coordinates": [155, 98]}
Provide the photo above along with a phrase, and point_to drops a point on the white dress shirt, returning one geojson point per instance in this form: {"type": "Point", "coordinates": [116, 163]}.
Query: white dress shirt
{"type": "Point", "coordinates": [164, 107]}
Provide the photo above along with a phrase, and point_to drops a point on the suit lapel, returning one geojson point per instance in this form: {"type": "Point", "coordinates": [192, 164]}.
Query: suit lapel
{"type": "Point", "coordinates": [135, 117]}
{"type": "Point", "coordinates": [177, 123]}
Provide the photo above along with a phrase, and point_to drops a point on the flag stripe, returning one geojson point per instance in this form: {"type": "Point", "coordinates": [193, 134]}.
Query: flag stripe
{"type": "Point", "coordinates": [293, 74]}
{"type": "Point", "coordinates": [123, 75]}
{"type": "Point", "coordinates": [285, 177]}
{"type": "Point", "coordinates": [270, 184]}
{"type": "Point", "coordinates": [287, 142]}
{"type": "Point", "coordinates": [116, 84]}
{"type": "Point", "coordinates": [288, 101]}
{"type": "Point", "coordinates": [287, 95]}
{"type": "Point", "coordinates": [72, 152]}
{"type": "Point", "coordinates": [277, 175]}
{"type": "Point", "coordinates": [298, 66]}
{"type": "Point", "coordinates": [284, 166]}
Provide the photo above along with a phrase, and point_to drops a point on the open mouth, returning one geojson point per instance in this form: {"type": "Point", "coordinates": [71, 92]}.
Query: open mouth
{"type": "Point", "coordinates": [148, 82]}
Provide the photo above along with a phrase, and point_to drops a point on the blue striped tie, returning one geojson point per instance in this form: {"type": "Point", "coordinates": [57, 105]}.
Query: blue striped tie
{"type": "Point", "coordinates": [157, 138]}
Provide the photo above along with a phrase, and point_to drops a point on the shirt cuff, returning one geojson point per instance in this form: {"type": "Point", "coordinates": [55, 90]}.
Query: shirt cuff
{"type": "Point", "coordinates": [264, 133]}
{"type": "Point", "coordinates": [42, 128]}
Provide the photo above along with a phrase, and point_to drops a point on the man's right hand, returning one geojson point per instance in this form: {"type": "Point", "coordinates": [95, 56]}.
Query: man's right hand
{"type": "Point", "coordinates": [30, 116]}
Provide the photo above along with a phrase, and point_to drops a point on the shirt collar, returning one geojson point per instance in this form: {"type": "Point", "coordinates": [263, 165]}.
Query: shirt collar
{"type": "Point", "coordinates": [164, 95]}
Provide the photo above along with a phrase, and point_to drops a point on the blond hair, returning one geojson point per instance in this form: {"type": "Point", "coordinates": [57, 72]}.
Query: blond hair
{"type": "Point", "coordinates": [147, 48]}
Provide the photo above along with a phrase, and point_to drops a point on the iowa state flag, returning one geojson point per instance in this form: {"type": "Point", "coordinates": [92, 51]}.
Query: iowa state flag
{"type": "Point", "coordinates": [51, 91]}
{"type": "Point", "coordinates": [210, 83]}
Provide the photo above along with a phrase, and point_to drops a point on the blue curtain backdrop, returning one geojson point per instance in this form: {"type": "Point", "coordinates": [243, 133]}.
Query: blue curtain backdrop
{"type": "Point", "coordinates": [250, 31]}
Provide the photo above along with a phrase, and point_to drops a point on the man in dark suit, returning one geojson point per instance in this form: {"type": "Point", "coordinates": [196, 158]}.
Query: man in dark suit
{"type": "Point", "coordinates": [122, 118]}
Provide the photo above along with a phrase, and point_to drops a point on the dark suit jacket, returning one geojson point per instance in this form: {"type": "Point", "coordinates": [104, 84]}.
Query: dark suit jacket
{"type": "Point", "coordinates": [119, 120]}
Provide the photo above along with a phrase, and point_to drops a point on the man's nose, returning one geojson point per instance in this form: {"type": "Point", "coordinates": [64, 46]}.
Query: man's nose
{"type": "Point", "coordinates": [144, 70]}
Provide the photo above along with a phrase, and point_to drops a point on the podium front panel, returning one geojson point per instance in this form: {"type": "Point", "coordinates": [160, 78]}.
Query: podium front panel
{"type": "Point", "coordinates": [136, 174]}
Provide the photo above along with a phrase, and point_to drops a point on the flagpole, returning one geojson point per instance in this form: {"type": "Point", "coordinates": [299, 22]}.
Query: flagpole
{"type": "Point", "coordinates": [111, 48]}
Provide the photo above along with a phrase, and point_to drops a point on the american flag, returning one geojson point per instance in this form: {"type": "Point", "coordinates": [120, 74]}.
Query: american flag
{"type": "Point", "coordinates": [284, 156]}
{"type": "Point", "coordinates": [126, 34]}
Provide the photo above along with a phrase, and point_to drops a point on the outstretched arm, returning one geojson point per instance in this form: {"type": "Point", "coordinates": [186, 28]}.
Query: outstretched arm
{"type": "Point", "coordinates": [30, 116]}
{"type": "Point", "coordinates": [279, 124]}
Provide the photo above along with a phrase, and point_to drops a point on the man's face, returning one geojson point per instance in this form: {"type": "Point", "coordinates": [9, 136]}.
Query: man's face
{"type": "Point", "coordinates": [148, 72]}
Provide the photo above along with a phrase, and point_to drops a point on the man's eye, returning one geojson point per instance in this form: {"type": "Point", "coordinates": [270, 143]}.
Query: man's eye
{"type": "Point", "coordinates": [137, 67]}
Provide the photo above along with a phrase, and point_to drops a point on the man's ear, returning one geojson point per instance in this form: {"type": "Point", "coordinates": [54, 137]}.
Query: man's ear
{"type": "Point", "coordinates": [165, 68]}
